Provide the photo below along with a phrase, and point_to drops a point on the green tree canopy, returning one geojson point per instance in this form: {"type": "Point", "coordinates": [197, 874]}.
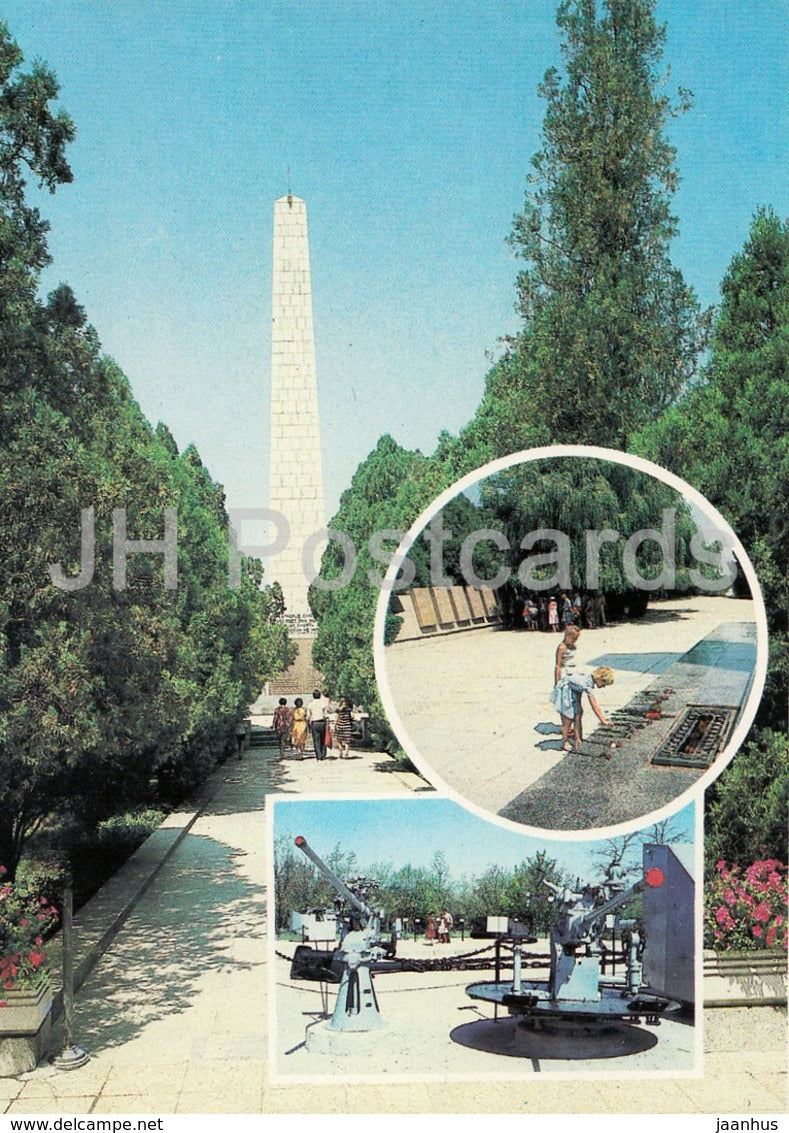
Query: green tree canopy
{"type": "Point", "coordinates": [611, 331]}
{"type": "Point", "coordinates": [729, 436]}
{"type": "Point", "coordinates": [102, 686]}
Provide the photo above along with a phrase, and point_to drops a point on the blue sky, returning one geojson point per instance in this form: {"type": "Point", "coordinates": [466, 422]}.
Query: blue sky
{"type": "Point", "coordinates": [411, 831]}
{"type": "Point", "coordinates": [408, 126]}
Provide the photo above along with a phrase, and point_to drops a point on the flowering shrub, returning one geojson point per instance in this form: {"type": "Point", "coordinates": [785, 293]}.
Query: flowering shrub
{"type": "Point", "coordinates": [25, 920]}
{"type": "Point", "coordinates": [746, 908]}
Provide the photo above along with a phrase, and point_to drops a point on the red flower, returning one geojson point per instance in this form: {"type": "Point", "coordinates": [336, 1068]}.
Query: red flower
{"type": "Point", "coordinates": [757, 930]}
{"type": "Point", "coordinates": [772, 933]}
{"type": "Point", "coordinates": [36, 959]}
{"type": "Point", "coordinates": [762, 913]}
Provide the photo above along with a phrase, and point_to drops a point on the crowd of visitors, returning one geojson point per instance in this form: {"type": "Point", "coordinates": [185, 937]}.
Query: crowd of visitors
{"type": "Point", "coordinates": [328, 724]}
{"type": "Point", "coordinates": [557, 611]}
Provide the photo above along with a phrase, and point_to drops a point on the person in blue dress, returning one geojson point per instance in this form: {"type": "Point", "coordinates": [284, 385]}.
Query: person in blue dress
{"type": "Point", "coordinates": [567, 696]}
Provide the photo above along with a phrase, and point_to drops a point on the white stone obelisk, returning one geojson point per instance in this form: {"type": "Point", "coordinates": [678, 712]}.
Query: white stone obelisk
{"type": "Point", "coordinates": [296, 466]}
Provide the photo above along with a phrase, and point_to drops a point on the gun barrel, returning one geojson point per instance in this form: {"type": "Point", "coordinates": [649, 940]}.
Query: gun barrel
{"type": "Point", "coordinates": [612, 903]}
{"type": "Point", "coordinates": [339, 885]}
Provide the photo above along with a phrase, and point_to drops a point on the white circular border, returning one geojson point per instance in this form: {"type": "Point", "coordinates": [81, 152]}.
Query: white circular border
{"type": "Point", "coordinates": [696, 791]}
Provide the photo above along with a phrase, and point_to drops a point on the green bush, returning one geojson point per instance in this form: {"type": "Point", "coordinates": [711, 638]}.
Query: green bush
{"type": "Point", "coordinates": [44, 876]}
{"type": "Point", "coordinates": [119, 836]}
{"type": "Point", "coordinates": [93, 855]}
{"type": "Point", "coordinates": [745, 819]}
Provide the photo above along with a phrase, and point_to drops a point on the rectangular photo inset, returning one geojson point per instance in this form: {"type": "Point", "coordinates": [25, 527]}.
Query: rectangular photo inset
{"type": "Point", "coordinates": [412, 939]}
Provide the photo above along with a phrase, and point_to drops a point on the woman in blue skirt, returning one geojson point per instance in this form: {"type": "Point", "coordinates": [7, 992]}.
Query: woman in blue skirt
{"type": "Point", "coordinates": [567, 696]}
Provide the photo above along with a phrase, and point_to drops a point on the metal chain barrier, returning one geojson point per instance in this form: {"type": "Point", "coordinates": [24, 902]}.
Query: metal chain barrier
{"type": "Point", "coordinates": [466, 961]}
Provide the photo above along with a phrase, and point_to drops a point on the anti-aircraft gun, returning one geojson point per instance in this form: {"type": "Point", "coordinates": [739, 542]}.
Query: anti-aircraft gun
{"type": "Point", "coordinates": [575, 991]}
{"type": "Point", "coordinates": [361, 944]}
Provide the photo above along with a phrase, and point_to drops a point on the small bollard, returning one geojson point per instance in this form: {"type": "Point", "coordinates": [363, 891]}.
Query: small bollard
{"type": "Point", "coordinates": [72, 1056]}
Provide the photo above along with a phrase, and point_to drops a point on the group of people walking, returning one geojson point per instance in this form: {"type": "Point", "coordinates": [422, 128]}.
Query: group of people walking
{"type": "Point", "coordinates": [327, 724]}
{"type": "Point", "coordinates": [555, 613]}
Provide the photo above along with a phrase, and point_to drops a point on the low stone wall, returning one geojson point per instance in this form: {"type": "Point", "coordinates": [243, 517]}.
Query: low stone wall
{"type": "Point", "coordinates": [745, 979]}
{"type": "Point", "coordinates": [428, 611]}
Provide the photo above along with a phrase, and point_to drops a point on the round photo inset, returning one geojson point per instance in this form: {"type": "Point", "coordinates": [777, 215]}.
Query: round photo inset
{"type": "Point", "coordinates": [571, 638]}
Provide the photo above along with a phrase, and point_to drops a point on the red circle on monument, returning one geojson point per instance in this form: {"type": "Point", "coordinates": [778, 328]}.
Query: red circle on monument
{"type": "Point", "coordinates": [654, 877]}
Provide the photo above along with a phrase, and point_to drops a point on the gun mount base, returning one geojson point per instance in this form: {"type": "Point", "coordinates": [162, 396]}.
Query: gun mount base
{"type": "Point", "coordinates": [536, 1008]}
{"type": "Point", "coordinates": [322, 1039]}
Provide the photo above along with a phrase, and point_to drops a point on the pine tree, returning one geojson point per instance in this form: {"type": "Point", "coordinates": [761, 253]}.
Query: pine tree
{"type": "Point", "coordinates": [611, 331]}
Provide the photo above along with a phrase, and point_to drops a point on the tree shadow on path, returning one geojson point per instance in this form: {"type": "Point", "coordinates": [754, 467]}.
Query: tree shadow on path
{"type": "Point", "coordinates": [188, 930]}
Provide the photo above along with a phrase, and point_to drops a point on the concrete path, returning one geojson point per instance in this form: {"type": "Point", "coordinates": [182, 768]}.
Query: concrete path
{"type": "Point", "coordinates": [175, 1015]}
{"type": "Point", "coordinates": [474, 706]}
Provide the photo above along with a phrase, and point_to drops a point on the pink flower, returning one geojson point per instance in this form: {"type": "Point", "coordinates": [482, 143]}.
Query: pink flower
{"type": "Point", "coordinates": [772, 933]}
{"type": "Point", "coordinates": [757, 930]}
{"type": "Point", "coordinates": [36, 959]}
{"type": "Point", "coordinates": [762, 912]}
{"type": "Point", "coordinates": [722, 914]}
{"type": "Point", "coordinates": [729, 896]}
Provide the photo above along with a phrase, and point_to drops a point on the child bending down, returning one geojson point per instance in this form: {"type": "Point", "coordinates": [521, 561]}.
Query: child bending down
{"type": "Point", "coordinates": [567, 696]}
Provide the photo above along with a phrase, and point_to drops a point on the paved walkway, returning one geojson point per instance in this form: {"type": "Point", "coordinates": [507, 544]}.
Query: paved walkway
{"type": "Point", "coordinates": [176, 1019]}
{"type": "Point", "coordinates": [475, 705]}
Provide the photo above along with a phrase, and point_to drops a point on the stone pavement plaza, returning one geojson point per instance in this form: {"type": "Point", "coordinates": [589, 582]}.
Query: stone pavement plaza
{"type": "Point", "coordinates": [175, 1015]}
{"type": "Point", "coordinates": [475, 705]}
